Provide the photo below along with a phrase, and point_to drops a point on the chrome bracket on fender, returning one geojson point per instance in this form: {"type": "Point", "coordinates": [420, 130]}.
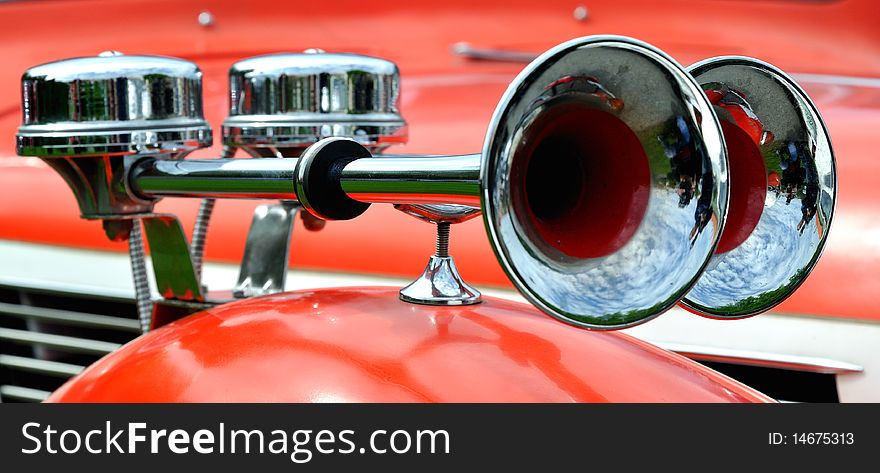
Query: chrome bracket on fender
{"type": "Point", "coordinates": [172, 264]}
{"type": "Point", "coordinates": [264, 265]}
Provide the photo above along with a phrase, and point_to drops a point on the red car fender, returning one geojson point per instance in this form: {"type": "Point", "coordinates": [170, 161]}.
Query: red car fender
{"type": "Point", "coordinates": [365, 345]}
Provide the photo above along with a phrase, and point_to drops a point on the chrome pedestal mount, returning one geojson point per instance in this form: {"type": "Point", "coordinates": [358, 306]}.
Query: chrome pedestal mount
{"type": "Point", "coordinates": [440, 283]}
{"type": "Point", "coordinates": [280, 104]}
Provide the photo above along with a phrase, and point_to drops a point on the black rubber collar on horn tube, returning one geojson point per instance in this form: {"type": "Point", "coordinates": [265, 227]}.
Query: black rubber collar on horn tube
{"type": "Point", "coordinates": [317, 179]}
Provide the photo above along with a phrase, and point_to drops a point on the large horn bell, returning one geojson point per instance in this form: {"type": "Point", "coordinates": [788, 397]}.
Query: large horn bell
{"type": "Point", "coordinates": [783, 187]}
{"type": "Point", "coordinates": [595, 162]}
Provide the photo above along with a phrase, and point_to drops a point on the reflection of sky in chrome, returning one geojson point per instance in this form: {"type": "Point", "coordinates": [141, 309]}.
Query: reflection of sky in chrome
{"type": "Point", "coordinates": [656, 263]}
{"type": "Point", "coordinates": [764, 262]}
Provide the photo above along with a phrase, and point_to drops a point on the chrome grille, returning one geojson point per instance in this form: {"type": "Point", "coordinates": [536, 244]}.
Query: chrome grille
{"type": "Point", "coordinates": [48, 336]}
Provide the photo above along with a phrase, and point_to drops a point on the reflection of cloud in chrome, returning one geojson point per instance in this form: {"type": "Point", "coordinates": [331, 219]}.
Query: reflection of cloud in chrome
{"type": "Point", "coordinates": [657, 262]}
{"type": "Point", "coordinates": [766, 261]}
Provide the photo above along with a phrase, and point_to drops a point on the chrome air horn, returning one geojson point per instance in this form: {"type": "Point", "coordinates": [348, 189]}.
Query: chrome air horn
{"type": "Point", "coordinates": [603, 184]}
{"type": "Point", "coordinates": [572, 181]}
{"type": "Point", "coordinates": [780, 154]}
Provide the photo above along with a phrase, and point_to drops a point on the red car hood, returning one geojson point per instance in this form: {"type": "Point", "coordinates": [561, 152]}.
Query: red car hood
{"type": "Point", "coordinates": [832, 47]}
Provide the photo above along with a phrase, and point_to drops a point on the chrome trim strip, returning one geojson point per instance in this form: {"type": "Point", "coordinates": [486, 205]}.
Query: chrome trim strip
{"type": "Point", "coordinates": [23, 394]}
{"type": "Point", "coordinates": [51, 368]}
{"type": "Point", "coordinates": [77, 290]}
{"type": "Point", "coordinates": [61, 342]}
{"type": "Point", "coordinates": [808, 364]}
{"type": "Point", "coordinates": [68, 317]}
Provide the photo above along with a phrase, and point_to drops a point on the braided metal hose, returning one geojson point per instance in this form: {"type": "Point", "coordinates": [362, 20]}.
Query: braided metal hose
{"type": "Point", "coordinates": [139, 275]}
{"type": "Point", "coordinates": [200, 230]}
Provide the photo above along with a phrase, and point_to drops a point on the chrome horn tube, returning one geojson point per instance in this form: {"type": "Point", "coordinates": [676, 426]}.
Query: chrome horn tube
{"type": "Point", "coordinates": [256, 178]}
{"type": "Point", "coordinates": [414, 180]}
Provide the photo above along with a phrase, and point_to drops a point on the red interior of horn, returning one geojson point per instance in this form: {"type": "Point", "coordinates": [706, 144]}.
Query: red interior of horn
{"type": "Point", "coordinates": [748, 187]}
{"type": "Point", "coordinates": [584, 181]}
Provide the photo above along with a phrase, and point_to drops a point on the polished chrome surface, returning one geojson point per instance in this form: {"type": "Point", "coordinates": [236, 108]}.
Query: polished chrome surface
{"type": "Point", "coordinates": [439, 212]}
{"type": "Point", "coordinates": [264, 265]}
{"type": "Point", "coordinates": [799, 172]}
{"type": "Point", "coordinates": [440, 284]}
{"type": "Point", "coordinates": [603, 181]}
{"type": "Point", "coordinates": [100, 186]}
{"type": "Point", "coordinates": [280, 104]}
{"type": "Point", "coordinates": [87, 118]}
{"type": "Point", "coordinates": [469, 51]}
{"type": "Point", "coordinates": [414, 179]}
{"type": "Point", "coordinates": [678, 136]}
{"type": "Point", "coordinates": [112, 104]}
{"type": "Point", "coordinates": [258, 178]}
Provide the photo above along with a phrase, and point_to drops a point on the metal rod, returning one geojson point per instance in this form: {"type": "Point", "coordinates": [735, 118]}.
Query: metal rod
{"type": "Point", "coordinates": [414, 180]}
{"type": "Point", "coordinates": [399, 179]}
{"type": "Point", "coordinates": [255, 178]}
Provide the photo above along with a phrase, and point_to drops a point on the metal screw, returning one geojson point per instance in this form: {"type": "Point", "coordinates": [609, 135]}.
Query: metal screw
{"type": "Point", "coordinates": [206, 18]}
{"type": "Point", "coordinates": [581, 13]}
{"type": "Point", "coordinates": [442, 239]}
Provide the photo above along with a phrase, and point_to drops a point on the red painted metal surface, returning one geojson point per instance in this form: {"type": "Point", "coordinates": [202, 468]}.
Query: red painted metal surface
{"type": "Point", "coordinates": [748, 186]}
{"type": "Point", "coordinates": [448, 101]}
{"type": "Point", "coordinates": [364, 345]}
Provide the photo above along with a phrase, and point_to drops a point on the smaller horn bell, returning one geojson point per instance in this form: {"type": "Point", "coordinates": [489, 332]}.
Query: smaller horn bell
{"type": "Point", "coordinates": [783, 188]}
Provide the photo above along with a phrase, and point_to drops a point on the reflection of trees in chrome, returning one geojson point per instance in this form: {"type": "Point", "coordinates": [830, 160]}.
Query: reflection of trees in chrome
{"type": "Point", "coordinates": [683, 157]}
{"type": "Point", "coordinates": [798, 179]}
{"type": "Point", "coordinates": [767, 299]}
{"type": "Point", "coordinates": [688, 172]}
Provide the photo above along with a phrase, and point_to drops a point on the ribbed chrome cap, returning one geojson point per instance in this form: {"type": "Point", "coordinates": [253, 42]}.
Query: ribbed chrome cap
{"type": "Point", "coordinates": [281, 103]}
{"type": "Point", "coordinates": [112, 104]}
